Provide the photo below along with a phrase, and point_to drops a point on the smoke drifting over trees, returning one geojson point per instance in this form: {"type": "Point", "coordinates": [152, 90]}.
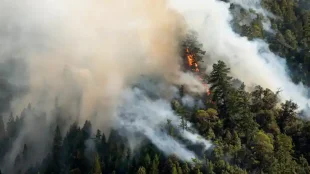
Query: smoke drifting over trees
{"type": "Point", "coordinates": [251, 61]}
{"type": "Point", "coordinates": [121, 86]}
{"type": "Point", "coordinates": [80, 56]}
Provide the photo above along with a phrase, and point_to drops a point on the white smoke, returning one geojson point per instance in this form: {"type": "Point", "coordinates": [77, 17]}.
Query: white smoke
{"type": "Point", "coordinates": [86, 53]}
{"type": "Point", "coordinates": [255, 5]}
{"type": "Point", "coordinates": [107, 45]}
{"type": "Point", "coordinates": [250, 61]}
{"type": "Point", "coordinates": [188, 101]}
{"type": "Point", "coordinates": [252, 5]}
{"type": "Point", "coordinates": [141, 114]}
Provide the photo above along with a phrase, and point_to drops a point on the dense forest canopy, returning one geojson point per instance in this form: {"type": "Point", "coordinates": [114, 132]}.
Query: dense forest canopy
{"type": "Point", "coordinates": [241, 131]}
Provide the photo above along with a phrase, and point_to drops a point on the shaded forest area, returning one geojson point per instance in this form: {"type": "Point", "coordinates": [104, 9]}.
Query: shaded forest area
{"type": "Point", "coordinates": [250, 133]}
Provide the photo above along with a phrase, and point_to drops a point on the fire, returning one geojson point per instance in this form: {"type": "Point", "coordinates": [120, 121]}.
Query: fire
{"type": "Point", "coordinates": [190, 58]}
{"type": "Point", "coordinates": [191, 62]}
{"type": "Point", "coordinates": [196, 67]}
{"type": "Point", "coordinates": [193, 65]}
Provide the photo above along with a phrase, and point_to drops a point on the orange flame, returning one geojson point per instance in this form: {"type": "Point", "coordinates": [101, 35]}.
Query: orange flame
{"type": "Point", "coordinates": [190, 59]}
{"type": "Point", "coordinates": [196, 67]}
{"type": "Point", "coordinates": [191, 62]}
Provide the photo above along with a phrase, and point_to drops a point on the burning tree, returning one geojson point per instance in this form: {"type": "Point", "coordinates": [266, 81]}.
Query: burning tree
{"type": "Point", "coordinates": [192, 53]}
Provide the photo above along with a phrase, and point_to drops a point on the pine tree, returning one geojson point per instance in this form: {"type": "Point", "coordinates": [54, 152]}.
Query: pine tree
{"type": "Point", "coordinates": [87, 129]}
{"type": "Point", "coordinates": [98, 140]}
{"type": "Point", "coordinates": [290, 39]}
{"type": "Point", "coordinates": [141, 170]}
{"type": "Point", "coordinates": [306, 28]}
{"type": "Point", "coordinates": [57, 143]}
{"type": "Point", "coordinates": [262, 147]}
{"type": "Point", "coordinates": [155, 164]}
{"type": "Point", "coordinates": [97, 168]}
{"type": "Point", "coordinates": [25, 152]}
{"type": "Point", "coordinates": [288, 116]}
{"type": "Point", "coordinates": [183, 123]}
{"type": "Point", "coordinates": [147, 161]}
{"type": "Point", "coordinates": [284, 148]}
{"type": "Point", "coordinates": [174, 170]}
{"type": "Point", "coordinates": [56, 151]}
{"type": "Point", "coordinates": [241, 119]}
{"type": "Point", "coordinates": [191, 47]}
{"type": "Point", "coordinates": [103, 146]}
{"type": "Point", "coordinates": [98, 135]}
{"type": "Point", "coordinates": [220, 86]}
{"type": "Point", "coordinates": [209, 166]}
{"type": "Point", "coordinates": [185, 169]}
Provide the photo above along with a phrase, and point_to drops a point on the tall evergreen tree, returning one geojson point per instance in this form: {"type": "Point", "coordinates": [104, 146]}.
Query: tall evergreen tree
{"type": "Point", "coordinates": [56, 151]}
{"type": "Point", "coordinates": [220, 86]}
{"type": "Point", "coordinates": [97, 168]}
{"type": "Point", "coordinates": [155, 164]}
{"type": "Point", "coordinates": [191, 47]}
{"type": "Point", "coordinates": [25, 152]}
{"type": "Point", "coordinates": [141, 170]}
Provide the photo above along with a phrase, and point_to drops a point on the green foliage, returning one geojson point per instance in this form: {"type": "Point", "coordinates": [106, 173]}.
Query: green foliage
{"type": "Point", "coordinates": [250, 133]}
{"type": "Point", "coordinates": [190, 45]}
{"type": "Point", "coordinates": [141, 170]}
{"type": "Point", "coordinates": [97, 168]}
{"type": "Point", "coordinates": [220, 86]}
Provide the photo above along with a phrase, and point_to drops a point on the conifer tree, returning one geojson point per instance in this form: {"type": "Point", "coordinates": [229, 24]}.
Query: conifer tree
{"type": "Point", "coordinates": [155, 164]}
{"type": "Point", "coordinates": [141, 170]}
{"type": "Point", "coordinates": [25, 152]}
{"type": "Point", "coordinates": [97, 168]}
{"type": "Point", "coordinates": [220, 86]}
{"type": "Point", "coordinates": [56, 150]}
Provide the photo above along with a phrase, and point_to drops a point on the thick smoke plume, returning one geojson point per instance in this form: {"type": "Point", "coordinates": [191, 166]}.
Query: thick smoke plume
{"type": "Point", "coordinates": [142, 114]}
{"type": "Point", "coordinates": [84, 56]}
{"type": "Point", "coordinates": [97, 47]}
{"type": "Point", "coordinates": [79, 57]}
{"type": "Point", "coordinates": [250, 61]}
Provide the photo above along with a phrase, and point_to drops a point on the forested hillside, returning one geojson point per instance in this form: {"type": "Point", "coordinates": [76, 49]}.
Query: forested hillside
{"type": "Point", "coordinates": [251, 131]}
{"type": "Point", "coordinates": [290, 37]}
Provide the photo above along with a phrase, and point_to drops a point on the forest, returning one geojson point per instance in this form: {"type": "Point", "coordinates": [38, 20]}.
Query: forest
{"type": "Point", "coordinates": [251, 131]}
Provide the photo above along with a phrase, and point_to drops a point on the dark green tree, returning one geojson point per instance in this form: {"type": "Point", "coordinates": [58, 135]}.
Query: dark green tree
{"type": "Point", "coordinates": [56, 151]}
{"type": "Point", "coordinates": [97, 167]}
{"type": "Point", "coordinates": [155, 165]}
{"type": "Point", "coordinates": [220, 86]}
{"type": "Point", "coordinates": [288, 116]}
{"type": "Point", "coordinates": [141, 170]}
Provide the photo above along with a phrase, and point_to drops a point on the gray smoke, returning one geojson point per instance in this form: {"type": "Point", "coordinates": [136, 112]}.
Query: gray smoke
{"type": "Point", "coordinates": [250, 61]}
{"type": "Point", "coordinates": [85, 53]}
{"type": "Point", "coordinates": [142, 114]}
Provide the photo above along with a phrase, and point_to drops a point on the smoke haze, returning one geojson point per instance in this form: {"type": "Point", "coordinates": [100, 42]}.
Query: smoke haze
{"type": "Point", "coordinates": [79, 56]}
{"type": "Point", "coordinates": [250, 61]}
{"type": "Point", "coordinates": [84, 56]}
{"type": "Point", "coordinates": [139, 113]}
